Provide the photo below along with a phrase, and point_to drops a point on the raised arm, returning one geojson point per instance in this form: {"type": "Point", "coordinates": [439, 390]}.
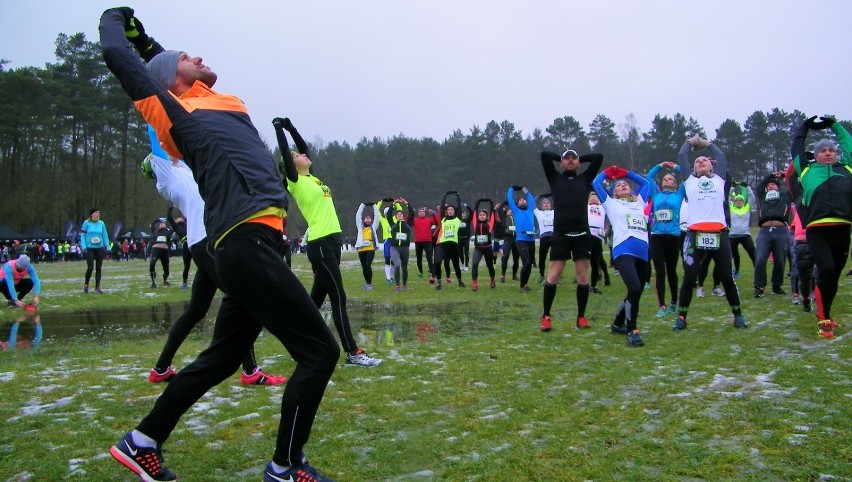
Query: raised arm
{"type": "Point", "coordinates": [721, 167]}
{"type": "Point", "coordinates": [547, 160]}
{"type": "Point", "coordinates": [683, 161]}
{"type": "Point", "coordinates": [595, 161]}
{"type": "Point", "coordinates": [644, 187]}
{"type": "Point", "coordinates": [286, 165]}
{"type": "Point", "coordinates": [597, 185]}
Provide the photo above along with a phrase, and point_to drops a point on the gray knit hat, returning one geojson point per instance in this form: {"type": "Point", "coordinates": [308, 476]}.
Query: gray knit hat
{"type": "Point", "coordinates": [822, 144]}
{"type": "Point", "coordinates": [23, 262]}
{"type": "Point", "coordinates": [164, 68]}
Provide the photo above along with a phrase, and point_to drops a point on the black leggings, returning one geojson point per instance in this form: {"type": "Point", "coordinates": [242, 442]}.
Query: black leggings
{"type": "Point", "coordinates": [596, 259]}
{"type": "Point", "coordinates": [509, 248]}
{"type": "Point", "coordinates": [204, 286]}
{"type": "Point", "coordinates": [262, 292]}
{"type": "Point", "coordinates": [664, 254]}
{"type": "Point", "coordinates": [802, 277]}
{"type": "Point", "coordinates": [692, 260]}
{"type": "Point", "coordinates": [634, 273]}
{"type": "Point", "coordinates": [366, 258]}
{"type": "Point", "coordinates": [526, 251]}
{"type": "Point", "coordinates": [187, 261]}
{"type": "Point", "coordinates": [478, 254]}
{"type": "Point", "coordinates": [324, 255]}
{"type": "Point", "coordinates": [829, 248]}
{"type": "Point", "coordinates": [447, 250]}
{"type": "Point", "coordinates": [543, 250]}
{"type": "Point", "coordinates": [94, 256]}
{"type": "Point", "coordinates": [464, 251]}
{"type": "Point", "coordinates": [747, 243]}
{"type": "Point", "coordinates": [161, 254]}
{"type": "Point", "coordinates": [421, 247]}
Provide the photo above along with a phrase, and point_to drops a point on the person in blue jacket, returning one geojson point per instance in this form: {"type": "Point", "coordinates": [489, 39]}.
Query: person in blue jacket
{"type": "Point", "coordinates": [94, 241]}
{"type": "Point", "coordinates": [665, 199]}
{"type": "Point", "coordinates": [524, 216]}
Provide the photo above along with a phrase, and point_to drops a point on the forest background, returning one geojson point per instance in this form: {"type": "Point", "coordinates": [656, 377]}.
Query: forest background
{"type": "Point", "coordinates": [71, 140]}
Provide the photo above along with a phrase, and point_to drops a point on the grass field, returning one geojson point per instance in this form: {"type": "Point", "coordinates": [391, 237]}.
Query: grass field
{"type": "Point", "coordinates": [470, 389]}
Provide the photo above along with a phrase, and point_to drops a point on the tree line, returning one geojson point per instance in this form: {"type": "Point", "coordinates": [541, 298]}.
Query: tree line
{"type": "Point", "coordinates": [71, 140]}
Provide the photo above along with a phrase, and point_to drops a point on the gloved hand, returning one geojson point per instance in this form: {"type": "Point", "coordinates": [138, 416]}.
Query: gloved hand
{"type": "Point", "coordinates": [809, 122]}
{"type": "Point", "coordinates": [702, 144]}
{"type": "Point", "coordinates": [615, 172]}
{"type": "Point", "coordinates": [280, 122]}
{"type": "Point", "coordinates": [824, 122]}
{"type": "Point", "coordinates": [693, 141]}
{"type": "Point", "coordinates": [516, 187]}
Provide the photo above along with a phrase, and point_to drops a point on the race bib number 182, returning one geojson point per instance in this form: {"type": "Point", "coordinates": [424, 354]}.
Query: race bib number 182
{"type": "Point", "coordinates": [707, 240]}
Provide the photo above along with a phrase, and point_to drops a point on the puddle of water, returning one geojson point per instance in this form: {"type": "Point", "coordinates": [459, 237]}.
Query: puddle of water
{"type": "Point", "coordinates": [374, 323]}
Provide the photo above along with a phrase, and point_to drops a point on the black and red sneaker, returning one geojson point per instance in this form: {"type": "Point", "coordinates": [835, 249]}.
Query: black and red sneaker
{"type": "Point", "coordinates": [297, 473]}
{"type": "Point", "coordinates": [146, 462]}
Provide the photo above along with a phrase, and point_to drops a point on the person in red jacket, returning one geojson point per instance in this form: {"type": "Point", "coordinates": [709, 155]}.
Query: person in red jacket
{"type": "Point", "coordinates": [424, 223]}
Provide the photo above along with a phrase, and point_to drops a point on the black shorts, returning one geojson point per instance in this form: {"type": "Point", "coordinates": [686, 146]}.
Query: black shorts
{"type": "Point", "coordinates": [570, 246]}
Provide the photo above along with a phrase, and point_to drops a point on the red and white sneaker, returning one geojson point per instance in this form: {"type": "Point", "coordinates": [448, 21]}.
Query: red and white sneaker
{"type": "Point", "coordinates": [582, 322]}
{"type": "Point", "coordinates": [825, 329]}
{"type": "Point", "coordinates": [474, 285]}
{"type": "Point", "coordinates": [157, 377]}
{"type": "Point", "coordinates": [546, 324]}
{"type": "Point", "coordinates": [258, 377]}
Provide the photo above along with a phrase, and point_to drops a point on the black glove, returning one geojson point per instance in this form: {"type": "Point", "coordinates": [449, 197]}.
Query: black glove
{"type": "Point", "coordinates": [809, 122]}
{"type": "Point", "coordinates": [517, 188]}
{"type": "Point", "coordinates": [824, 122]}
{"type": "Point", "coordinates": [135, 32]}
{"type": "Point", "coordinates": [809, 155]}
{"type": "Point", "coordinates": [387, 200]}
{"type": "Point", "coordinates": [279, 122]}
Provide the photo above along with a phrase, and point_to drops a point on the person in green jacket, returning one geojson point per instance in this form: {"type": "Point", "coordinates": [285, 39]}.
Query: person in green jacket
{"type": "Point", "coordinates": [826, 183]}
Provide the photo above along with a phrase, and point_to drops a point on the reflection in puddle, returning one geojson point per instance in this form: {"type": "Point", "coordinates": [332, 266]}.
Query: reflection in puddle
{"type": "Point", "coordinates": [374, 323]}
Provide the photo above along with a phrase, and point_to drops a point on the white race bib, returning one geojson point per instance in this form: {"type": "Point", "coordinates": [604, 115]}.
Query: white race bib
{"type": "Point", "coordinates": [401, 237]}
{"type": "Point", "coordinates": [481, 238]}
{"type": "Point", "coordinates": [448, 233]}
{"type": "Point", "coordinates": [95, 240]}
{"type": "Point", "coordinates": [511, 229]}
{"type": "Point", "coordinates": [636, 222]}
{"type": "Point", "coordinates": [663, 215]}
{"type": "Point", "coordinates": [161, 239]}
{"type": "Point", "coordinates": [707, 241]}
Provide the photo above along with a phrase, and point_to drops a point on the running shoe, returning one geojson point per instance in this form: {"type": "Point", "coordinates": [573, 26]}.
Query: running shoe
{"type": "Point", "coordinates": [438, 286]}
{"type": "Point", "coordinates": [758, 292]}
{"type": "Point", "coordinates": [582, 322]}
{"type": "Point", "coordinates": [367, 287]}
{"type": "Point", "coordinates": [164, 376]}
{"type": "Point", "coordinates": [777, 290]}
{"type": "Point", "coordinates": [461, 284]}
{"type": "Point", "coordinates": [595, 290]}
{"type": "Point", "coordinates": [717, 291]}
{"type": "Point", "coordinates": [825, 329]}
{"type": "Point", "coordinates": [146, 462]}
{"type": "Point", "coordinates": [183, 287]}
{"type": "Point", "coordinates": [647, 285]}
{"type": "Point", "coordinates": [153, 285]}
{"type": "Point", "coordinates": [739, 321]}
{"type": "Point", "coordinates": [298, 473]}
{"type": "Point", "coordinates": [362, 358]}
{"type": "Point", "coordinates": [680, 324]}
{"type": "Point", "coordinates": [796, 300]}
{"type": "Point", "coordinates": [474, 285]}
{"type": "Point", "coordinates": [545, 323]}
{"type": "Point", "coordinates": [98, 291]}
{"type": "Point", "coordinates": [449, 280]}
{"type": "Point", "coordinates": [86, 289]}
{"type": "Point", "coordinates": [661, 313]}
{"type": "Point", "coordinates": [493, 284]}
{"type": "Point", "coordinates": [166, 283]}
{"type": "Point", "coordinates": [432, 280]}
{"type": "Point", "coordinates": [700, 293]}
{"type": "Point", "coordinates": [397, 289]}
{"type": "Point", "coordinates": [525, 289]}
{"type": "Point", "coordinates": [618, 329]}
{"type": "Point", "coordinates": [258, 377]}
{"type": "Point", "coordinates": [806, 305]}
{"type": "Point", "coordinates": [633, 339]}
{"type": "Point", "coordinates": [672, 309]}
{"type": "Point", "coordinates": [503, 279]}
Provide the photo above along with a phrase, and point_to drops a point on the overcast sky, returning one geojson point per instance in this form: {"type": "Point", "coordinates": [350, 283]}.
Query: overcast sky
{"type": "Point", "coordinates": [343, 70]}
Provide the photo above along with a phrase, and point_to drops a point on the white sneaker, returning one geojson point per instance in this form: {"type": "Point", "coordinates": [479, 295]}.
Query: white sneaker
{"type": "Point", "coordinates": [718, 291]}
{"type": "Point", "coordinates": [700, 292]}
{"type": "Point", "coordinates": [363, 359]}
